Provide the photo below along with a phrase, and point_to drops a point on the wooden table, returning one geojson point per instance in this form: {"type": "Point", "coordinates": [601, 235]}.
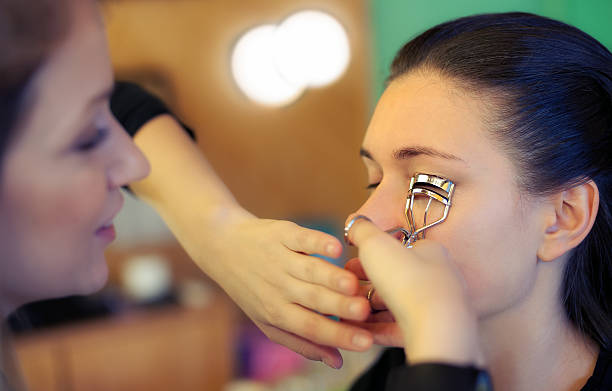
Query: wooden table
{"type": "Point", "coordinates": [171, 348]}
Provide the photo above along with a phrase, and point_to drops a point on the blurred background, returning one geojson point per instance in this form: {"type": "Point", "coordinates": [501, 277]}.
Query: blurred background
{"type": "Point", "coordinates": [285, 151]}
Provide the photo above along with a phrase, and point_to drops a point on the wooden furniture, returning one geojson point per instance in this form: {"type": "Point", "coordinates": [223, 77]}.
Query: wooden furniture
{"type": "Point", "coordinates": [164, 349]}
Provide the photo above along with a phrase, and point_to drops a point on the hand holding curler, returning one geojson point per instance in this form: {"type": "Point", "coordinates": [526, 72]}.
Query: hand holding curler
{"type": "Point", "coordinates": [425, 293]}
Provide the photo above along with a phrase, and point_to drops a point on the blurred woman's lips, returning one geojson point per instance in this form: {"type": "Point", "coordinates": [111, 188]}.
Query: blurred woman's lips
{"type": "Point", "coordinates": [107, 230]}
{"type": "Point", "coordinates": [107, 233]}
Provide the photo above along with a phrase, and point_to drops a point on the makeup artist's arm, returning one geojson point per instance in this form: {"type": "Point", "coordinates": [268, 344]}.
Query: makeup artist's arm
{"type": "Point", "coordinates": [261, 264]}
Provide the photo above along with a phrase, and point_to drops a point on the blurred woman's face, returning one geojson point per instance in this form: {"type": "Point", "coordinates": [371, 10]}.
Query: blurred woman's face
{"type": "Point", "coordinates": [62, 173]}
{"type": "Point", "coordinates": [424, 123]}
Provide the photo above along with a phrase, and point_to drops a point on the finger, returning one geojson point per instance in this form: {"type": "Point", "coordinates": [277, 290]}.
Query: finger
{"type": "Point", "coordinates": [323, 331]}
{"type": "Point", "coordinates": [320, 272]}
{"type": "Point", "coordinates": [354, 266]}
{"type": "Point", "coordinates": [328, 302]}
{"type": "Point", "coordinates": [381, 317]}
{"type": "Point", "coordinates": [364, 234]}
{"type": "Point", "coordinates": [310, 241]}
{"type": "Point", "coordinates": [376, 301]}
{"type": "Point", "coordinates": [312, 351]}
{"type": "Point", "coordinates": [384, 333]}
{"type": "Point", "coordinates": [380, 254]}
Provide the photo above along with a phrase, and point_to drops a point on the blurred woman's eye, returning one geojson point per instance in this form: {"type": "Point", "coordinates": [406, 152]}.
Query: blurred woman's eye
{"type": "Point", "coordinates": [93, 141]}
{"type": "Point", "coordinates": [372, 186]}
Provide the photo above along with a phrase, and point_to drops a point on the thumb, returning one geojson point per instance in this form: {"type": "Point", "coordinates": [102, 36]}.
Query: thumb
{"type": "Point", "coordinates": [380, 253]}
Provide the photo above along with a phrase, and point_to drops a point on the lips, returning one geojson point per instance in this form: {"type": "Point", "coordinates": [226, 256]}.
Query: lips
{"type": "Point", "coordinates": [107, 233]}
{"type": "Point", "coordinates": [108, 223]}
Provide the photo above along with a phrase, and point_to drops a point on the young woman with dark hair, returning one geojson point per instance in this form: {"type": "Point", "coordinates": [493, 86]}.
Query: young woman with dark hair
{"type": "Point", "coordinates": [516, 110]}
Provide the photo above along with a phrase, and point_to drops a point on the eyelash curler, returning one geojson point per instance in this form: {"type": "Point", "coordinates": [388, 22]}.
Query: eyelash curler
{"type": "Point", "coordinates": [430, 187]}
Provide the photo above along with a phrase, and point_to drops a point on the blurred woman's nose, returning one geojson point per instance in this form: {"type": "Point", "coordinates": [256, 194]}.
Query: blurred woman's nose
{"type": "Point", "coordinates": [128, 163]}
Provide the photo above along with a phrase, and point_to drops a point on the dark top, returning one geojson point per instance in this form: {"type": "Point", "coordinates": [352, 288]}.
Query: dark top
{"type": "Point", "coordinates": [602, 375]}
{"type": "Point", "coordinates": [133, 107]}
{"type": "Point", "coordinates": [390, 373]}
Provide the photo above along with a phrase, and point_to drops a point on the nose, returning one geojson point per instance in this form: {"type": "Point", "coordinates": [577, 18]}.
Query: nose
{"type": "Point", "coordinates": [128, 163]}
{"type": "Point", "coordinates": [385, 207]}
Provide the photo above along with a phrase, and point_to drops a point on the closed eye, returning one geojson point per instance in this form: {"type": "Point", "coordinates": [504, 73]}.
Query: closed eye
{"type": "Point", "coordinates": [88, 145]}
{"type": "Point", "coordinates": [372, 186]}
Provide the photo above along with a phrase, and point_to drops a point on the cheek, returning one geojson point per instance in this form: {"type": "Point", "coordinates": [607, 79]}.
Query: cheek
{"type": "Point", "coordinates": [492, 244]}
{"type": "Point", "coordinates": [63, 205]}
{"type": "Point", "coordinates": [51, 220]}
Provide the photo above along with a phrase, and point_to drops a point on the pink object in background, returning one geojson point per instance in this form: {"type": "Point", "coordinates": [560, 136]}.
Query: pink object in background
{"type": "Point", "coordinates": [266, 361]}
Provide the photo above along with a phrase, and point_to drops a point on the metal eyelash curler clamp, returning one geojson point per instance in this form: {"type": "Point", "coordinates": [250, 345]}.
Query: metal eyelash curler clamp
{"type": "Point", "coordinates": [427, 186]}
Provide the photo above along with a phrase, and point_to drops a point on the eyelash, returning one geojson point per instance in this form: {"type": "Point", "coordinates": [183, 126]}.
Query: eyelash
{"type": "Point", "coordinates": [372, 186]}
{"type": "Point", "coordinates": [101, 134]}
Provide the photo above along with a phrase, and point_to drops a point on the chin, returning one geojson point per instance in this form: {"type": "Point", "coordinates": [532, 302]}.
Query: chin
{"type": "Point", "coordinates": [94, 277]}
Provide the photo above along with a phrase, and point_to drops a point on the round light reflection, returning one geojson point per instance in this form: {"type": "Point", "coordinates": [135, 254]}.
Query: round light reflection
{"type": "Point", "coordinates": [273, 64]}
{"type": "Point", "coordinates": [255, 71]}
{"type": "Point", "coordinates": [312, 49]}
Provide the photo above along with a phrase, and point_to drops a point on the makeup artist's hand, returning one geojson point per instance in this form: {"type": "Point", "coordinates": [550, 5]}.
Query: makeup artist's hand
{"type": "Point", "coordinates": [424, 291]}
{"type": "Point", "coordinates": [264, 267]}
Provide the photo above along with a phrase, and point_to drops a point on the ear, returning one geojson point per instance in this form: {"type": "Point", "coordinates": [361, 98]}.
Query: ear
{"type": "Point", "coordinates": [575, 210]}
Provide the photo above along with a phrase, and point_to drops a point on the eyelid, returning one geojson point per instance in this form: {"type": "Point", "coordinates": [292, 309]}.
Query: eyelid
{"type": "Point", "coordinates": [372, 186]}
{"type": "Point", "coordinates": [93, 141]}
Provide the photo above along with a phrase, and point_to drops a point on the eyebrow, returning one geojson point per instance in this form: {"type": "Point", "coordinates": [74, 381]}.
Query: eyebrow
{"type": "Point", "coordinates": [409, 152]}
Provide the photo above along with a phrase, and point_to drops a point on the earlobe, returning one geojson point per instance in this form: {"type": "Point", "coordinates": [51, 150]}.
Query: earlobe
{"type": "Point", "coordinates": [575, 210]}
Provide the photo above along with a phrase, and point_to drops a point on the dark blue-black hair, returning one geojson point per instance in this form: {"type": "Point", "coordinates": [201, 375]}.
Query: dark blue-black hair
{"type": "Point", "coordinates": [551, 88]}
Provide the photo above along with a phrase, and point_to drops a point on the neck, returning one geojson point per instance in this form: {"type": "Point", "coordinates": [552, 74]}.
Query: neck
{"type": "Point", "coordinates": [10, 375]}
{"type": "Point", "coordinates": [5, 310]}
{"type": "Point", "coordinates": [8, 304]}
{"type": "Point", "coordinates": [533, 345]}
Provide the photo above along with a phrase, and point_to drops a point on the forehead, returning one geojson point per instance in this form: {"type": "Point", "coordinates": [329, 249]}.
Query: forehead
{"type": "Point", "coordinates": [425, 109]}
{"type": "Point", "coordinates": [82, 58]}
{"type": "Point", "coordinates": [77, 70]}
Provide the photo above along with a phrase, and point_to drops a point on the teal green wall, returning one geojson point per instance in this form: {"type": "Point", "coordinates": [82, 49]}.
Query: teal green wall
{"type": "Point", "coordinates": [396, 21]}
